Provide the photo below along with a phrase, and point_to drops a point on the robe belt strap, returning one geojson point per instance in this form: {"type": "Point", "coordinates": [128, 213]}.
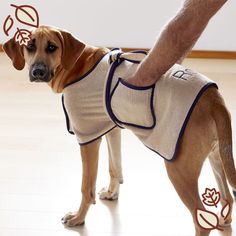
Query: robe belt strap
{"type": "Point", "coordinates": [117, 56]}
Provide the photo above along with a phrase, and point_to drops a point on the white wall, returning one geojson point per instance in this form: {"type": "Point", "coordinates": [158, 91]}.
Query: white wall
{"type": "Point", "coordinates": [125, 23]}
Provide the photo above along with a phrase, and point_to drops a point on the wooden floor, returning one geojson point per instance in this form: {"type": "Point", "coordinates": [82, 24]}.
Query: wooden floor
{"type": "Point", "coordinates": [40, 168]}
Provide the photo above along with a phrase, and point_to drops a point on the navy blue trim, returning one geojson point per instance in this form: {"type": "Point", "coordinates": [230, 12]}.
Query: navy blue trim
{"type": "Point", "coordinates": [116, 49]}
{"type": "Point", "coordinates": [208, 85]}
{"type": "Point", "coordinates": [108, 88]}
{"type": "Point", "coordinates": [139, 51]}
{"type": "Point", "coordinates": [112, 50]}
{"type": "Point", "coordinates": [82, 144]}
{"type": "Point", "coordinates": [117, 83]}
{"type": "Point", "coordinates": [66, 116]}
{"type": "Point", "coordinates": [109, 94]}
{"type": "Point", "coordinates": [158, 153]}
{"type": "Point", "coordinates": [152, 87]}
{"type": "Point", "coordinates": [133, 61]}
{"type": "Point", "coordinates": [68, 125]}
{"type": "Point", "coordinates": [109, 83]}
{"type": "Point", "coordinates": [117, 57]}
{"type": "Point", "coordinates": [88, 72]}
{"type": "Point", "coordinates": [124, 82]}
{"type": "Point", "coordinates": [120, 52]}
{"type": "Point", "coordinates": [136, 51]}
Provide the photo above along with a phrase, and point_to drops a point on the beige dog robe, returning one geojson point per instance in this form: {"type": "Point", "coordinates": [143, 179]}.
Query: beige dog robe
{"type": "Point", "coordinates": [157, 114]}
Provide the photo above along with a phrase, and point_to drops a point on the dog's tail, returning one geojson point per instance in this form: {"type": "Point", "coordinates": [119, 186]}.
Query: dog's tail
{"type": "Point", "coordinates": [224, 130]}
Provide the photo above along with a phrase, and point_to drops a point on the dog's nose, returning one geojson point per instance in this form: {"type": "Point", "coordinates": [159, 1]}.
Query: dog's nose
{"type": "Point", "coordinates": [38, 72]}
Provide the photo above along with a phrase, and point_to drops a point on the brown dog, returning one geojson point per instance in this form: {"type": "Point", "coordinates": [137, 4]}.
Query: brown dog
{"type": "Point", "coordinates": [58, 58]}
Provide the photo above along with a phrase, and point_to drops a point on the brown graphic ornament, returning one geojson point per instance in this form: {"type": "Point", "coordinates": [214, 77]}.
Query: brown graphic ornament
{"type": "Point", "coordinates": [26, 15]}
{"type": "Point", "coordinates": [208, 220]}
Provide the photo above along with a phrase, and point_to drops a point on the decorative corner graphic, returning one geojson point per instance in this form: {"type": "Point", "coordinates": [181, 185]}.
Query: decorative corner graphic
{"type": "Point", "coordinates": [22, 36]}
{"type": "Point", "coordinates": [209, 220]}
{"type": "Point", "coordinates": [27, 14]}
{"type": "Point", "coordinates": [211, 197]}
{"type": "Point", "coordinates": [24, 14]}
{"type": "Point", "coordinates": [8, 25]}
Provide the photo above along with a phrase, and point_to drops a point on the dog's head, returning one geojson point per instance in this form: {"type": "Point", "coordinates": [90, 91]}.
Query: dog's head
{"type": "Point", "coordinates": [48, 49]}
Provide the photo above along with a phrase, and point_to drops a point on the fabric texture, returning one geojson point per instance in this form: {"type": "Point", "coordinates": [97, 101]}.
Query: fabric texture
{"type": "Point", "coordinates": [83, 104]}
{"type": "Point", "coordinates": [156, 114]}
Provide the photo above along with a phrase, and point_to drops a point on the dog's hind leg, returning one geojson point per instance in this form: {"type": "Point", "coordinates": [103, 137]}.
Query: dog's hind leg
{"type": "Point", "coordinates": [113, 139]}
{"type": "Point", "coordinates": [185, 170]}
{"type": "Point", "coordinates": [89, 154]}
{"type": "Point", "coordinates": [219, 173]}
{"type": "Point", "coordinates": [185, 182]}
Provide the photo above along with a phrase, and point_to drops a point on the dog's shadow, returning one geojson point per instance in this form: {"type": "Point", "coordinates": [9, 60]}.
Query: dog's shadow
{"type": "Point", "coordinates": [82, 230]}
{"type": "Point", "coordinates": [112, 207]}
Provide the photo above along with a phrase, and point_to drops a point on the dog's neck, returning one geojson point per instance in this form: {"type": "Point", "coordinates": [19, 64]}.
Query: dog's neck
{"type": "Point", "coordinates": [85, 62]}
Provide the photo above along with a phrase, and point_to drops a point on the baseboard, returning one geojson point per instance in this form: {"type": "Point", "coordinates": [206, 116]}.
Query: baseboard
{"type": "Point", "coordinates": [194, 54]}
{"type": "Point", "coordinates": [212, 54]}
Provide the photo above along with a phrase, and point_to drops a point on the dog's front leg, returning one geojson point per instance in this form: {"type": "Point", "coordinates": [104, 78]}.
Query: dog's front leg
{"type": "Point", "coordinates": [89, 154]}
{"type": "Point", "coordinates": [114, 148]}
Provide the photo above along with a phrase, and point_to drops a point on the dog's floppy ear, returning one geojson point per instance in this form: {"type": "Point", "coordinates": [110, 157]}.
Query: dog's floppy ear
{"type": "Point", "coordinates": [72, 48]}
{"type": "Point", "coordinates": [15, 52]}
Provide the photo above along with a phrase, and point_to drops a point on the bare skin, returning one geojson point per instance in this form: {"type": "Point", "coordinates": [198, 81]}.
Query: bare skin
{"type": "Point", "coordinates": [176, 40]}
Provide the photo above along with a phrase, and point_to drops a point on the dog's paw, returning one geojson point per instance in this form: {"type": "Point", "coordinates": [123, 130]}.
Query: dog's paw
{"type": "Point", "coordinates": [72, 219]}
{"type": "Point", "coordinates": [106, 194]}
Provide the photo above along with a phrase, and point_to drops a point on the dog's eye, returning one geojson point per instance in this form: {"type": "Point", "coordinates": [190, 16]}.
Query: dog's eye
{"type": "Point", "coordinates": [51, 48]}
{"type": "Point", "coordinates": [31, 47]}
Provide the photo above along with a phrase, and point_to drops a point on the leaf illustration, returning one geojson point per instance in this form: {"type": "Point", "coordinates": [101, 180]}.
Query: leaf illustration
{"type": "Point", "coordinates": [207, 220]}
{"type": "Point", "coordinates": [22, 36]}
{"type": "Point", "coordinates": [8, 23]}
{"type": "Point", "coordinates": [211, 197]}
{"type": "Point", "coordinates": [27, 14]}
{"type": "Point", "coordinates": [225, 210]}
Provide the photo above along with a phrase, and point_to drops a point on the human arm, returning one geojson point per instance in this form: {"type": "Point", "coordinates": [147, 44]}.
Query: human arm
{"type": "Point", "coordinates": [176, 40]}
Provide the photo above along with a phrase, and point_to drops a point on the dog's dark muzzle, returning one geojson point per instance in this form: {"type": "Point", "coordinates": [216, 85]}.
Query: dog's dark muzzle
{"type": "Point", "coordinates": [39, 72]}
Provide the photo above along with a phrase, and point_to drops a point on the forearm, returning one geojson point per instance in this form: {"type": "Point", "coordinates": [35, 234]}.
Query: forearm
{"type": "Point", "coordinates": [176, 39]}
